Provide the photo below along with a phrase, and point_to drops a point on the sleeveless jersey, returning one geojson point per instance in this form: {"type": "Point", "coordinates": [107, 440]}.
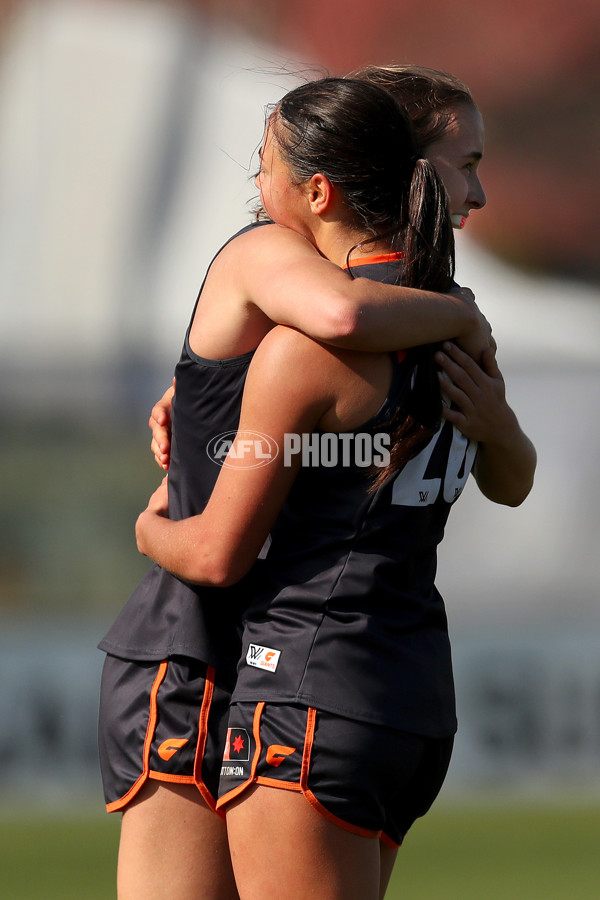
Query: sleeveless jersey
{"type": "Point", "coordinates": [345, 615]}
{"type": "Point", "coordinates": [165, 616]}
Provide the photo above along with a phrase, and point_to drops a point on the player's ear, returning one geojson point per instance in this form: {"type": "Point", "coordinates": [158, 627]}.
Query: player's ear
{"type": "Point", "coordinates": [320, 193]}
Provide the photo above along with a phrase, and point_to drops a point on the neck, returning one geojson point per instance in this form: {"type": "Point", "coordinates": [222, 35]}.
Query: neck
{"type": "Point", "coordinates": [335, 241]}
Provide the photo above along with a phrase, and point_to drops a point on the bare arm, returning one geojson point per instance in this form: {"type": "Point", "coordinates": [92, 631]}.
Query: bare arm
{"type": "Point", "coordinates": [219, 546]}
{"type": "Point", "coordinates": [271, 274]}
{"type": "Point", "coordinates": [292, 284]}
{"type": "Point", "coordinates": [506, 458]}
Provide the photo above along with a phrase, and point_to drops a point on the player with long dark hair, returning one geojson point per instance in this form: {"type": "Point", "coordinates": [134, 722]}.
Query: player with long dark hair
{"type": "Point", "coordinates": [171, 653]}
{"type": "Point", "coordinates": [343, 714]}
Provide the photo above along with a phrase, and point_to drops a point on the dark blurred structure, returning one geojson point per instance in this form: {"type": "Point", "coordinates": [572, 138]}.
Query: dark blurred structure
{"type": "Point", "coordinates": [535, 71]}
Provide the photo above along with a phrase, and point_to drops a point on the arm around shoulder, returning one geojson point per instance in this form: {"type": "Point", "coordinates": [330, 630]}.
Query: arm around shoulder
{"type": "Point", "coordinates": [292, 284]}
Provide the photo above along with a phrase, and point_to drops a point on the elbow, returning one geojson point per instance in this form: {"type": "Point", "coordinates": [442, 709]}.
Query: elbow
{"type": "Point", "coordinates": [513, 497]}
{"type": "Point", "coordinates": [225, 576]}
{"type": "Point", "coordinates": [521, 488]}
{"type": "Point", "coordinates": [340, 320]}
{"type": "Point", "coordinates": [520, 496]}
{"type": "Point", "coordinates": [514, 501]}
{"type": "Point", "coordinates": [216, 571]}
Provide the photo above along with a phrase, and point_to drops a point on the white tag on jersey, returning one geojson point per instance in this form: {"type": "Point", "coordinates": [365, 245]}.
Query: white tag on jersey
{"type": "Point", "coordinates": [262, 657]}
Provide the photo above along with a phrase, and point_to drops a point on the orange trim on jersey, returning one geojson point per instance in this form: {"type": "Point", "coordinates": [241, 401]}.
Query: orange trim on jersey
{"type": "Point", "coordinates": [373, 260]}
{"type": "Point", "coordinates": [152, 718]}
{"type": "Point", "coordinates": [235, 792]}
{"type": "Point", "coordinates": [314, 802]}
{"type": "Point", "coordinates": [209, 687]}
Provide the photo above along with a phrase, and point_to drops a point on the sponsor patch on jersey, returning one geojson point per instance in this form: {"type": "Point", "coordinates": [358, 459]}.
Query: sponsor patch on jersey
{"type": "Point", "coordinates": [263, 657]}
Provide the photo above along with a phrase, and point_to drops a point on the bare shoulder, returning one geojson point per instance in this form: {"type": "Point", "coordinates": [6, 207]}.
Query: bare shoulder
{"type": "Point", "coordinates": [270, 241]}
{"type": "Point", "coordinates": [307, 366]}
{"type": "Point", "coordinates": [285, 349]}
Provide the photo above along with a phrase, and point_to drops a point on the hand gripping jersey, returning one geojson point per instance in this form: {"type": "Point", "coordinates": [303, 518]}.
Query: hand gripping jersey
{"type": "Point", "coordinates": [345, 614]}
{"type": "Point", "coordinates": [166, 616]}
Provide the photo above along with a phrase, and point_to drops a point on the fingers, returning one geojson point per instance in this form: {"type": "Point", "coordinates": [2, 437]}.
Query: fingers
{"type": "Point", "coordinates": [451, 414]}
{"type": "Point", "coordinates": [457, 400]}
{"type": "Point", "coordinates": [159, 500]}
{"type": "Point", "coordinates": [464, 293]}
{"type": "Point", "coordinates": [160, 426]}
{"type": "Point", "coordinates": [489, 364]}
{"type": "Point", "coordinates": [161, 411]}
{"type": "Point", "coordinates": [458, 365]}
{"type": "Point", "coordinates": [160, 448]}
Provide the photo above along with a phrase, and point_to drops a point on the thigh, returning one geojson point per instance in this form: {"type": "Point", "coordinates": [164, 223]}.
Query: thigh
{"type": "Point", "coordinates": [280, 846]}
{"type": "Point", "coordinates": [173, 845]}
{"type": "Point", "coordinates": [387, 860]}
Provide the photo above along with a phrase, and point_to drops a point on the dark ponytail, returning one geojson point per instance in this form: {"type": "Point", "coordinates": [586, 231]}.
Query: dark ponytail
{"type": "Point", "coordinates": [429, 265]}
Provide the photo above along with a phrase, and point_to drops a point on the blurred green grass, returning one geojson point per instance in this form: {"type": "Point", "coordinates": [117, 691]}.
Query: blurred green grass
{"type": "Point", "coordinates": [545, 853]}
{"type": "Point", "coordinates": [71, 494]}
{"type": "Point", "coordinates": [454, 853]}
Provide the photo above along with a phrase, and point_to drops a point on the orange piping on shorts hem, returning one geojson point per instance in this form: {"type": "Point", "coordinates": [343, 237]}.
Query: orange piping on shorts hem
{"type": "Point", "coordinates": [235, 792]}
{"type": "Point", "coordinates": [274, 782]}
{"type": "Point", "coordinates": [135, 787]}
{"type": "Point", "coordinates": [209, 687]}
{"type": "Point", "coordinates": [174, 779]}
{"type": "Point", "coordinates": [388, 842]}
{"type": "Point", "coordinates": [314, 802]}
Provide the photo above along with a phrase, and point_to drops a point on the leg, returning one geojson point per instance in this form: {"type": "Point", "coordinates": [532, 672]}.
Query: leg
{"type": "Point", "coordinates": [173, 845]}
{"type": "Point", "coordinates": [280, 846]}
{"type": "Point", "coordinates": [387, 860]}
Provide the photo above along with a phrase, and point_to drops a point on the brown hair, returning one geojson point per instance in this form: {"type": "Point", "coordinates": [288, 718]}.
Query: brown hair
{"type": "Point", "coordinates": [429, 96]}
{"type": "Point", "coordinates": [356, 134]}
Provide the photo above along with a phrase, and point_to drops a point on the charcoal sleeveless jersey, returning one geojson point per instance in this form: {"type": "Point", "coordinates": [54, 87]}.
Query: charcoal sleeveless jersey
{"type": "Point", "coordinates": [346, 617]}
{"type": "Point", "coordinates": [166, 616]}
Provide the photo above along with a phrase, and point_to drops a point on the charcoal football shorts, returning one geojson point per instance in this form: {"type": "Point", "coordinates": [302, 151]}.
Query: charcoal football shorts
{"type": "Point", "coordinates": [165, 721]}
{"type": "Point", "coordinates": [368, 779]}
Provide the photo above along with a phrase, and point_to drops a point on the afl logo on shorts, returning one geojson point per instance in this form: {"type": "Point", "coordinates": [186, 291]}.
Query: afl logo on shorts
{"type": "Point", "coordinates": [263, 657]}
{"type": "Point", "coordinates": [249, 449]}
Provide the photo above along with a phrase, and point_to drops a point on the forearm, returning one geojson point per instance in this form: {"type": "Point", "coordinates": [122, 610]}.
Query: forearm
{"type": "Point", "coordinates": [179, 547]}
{"type": "Point", "coordinates": [282, 274]}
{"type": "Point", "coordinates": [380, 317]}
{"type": "Point", "coordinates": [504, 468]}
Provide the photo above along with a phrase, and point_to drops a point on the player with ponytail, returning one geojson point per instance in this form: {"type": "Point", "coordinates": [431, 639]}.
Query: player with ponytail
{"type": "Point", "coordinates": [342, 717]}
{"type": "Point", "coordinates": [172, 651]}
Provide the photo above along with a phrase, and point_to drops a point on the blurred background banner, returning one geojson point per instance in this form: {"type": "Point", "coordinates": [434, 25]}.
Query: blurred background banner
{"type": "Point", "coordinates": [128, 136]}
